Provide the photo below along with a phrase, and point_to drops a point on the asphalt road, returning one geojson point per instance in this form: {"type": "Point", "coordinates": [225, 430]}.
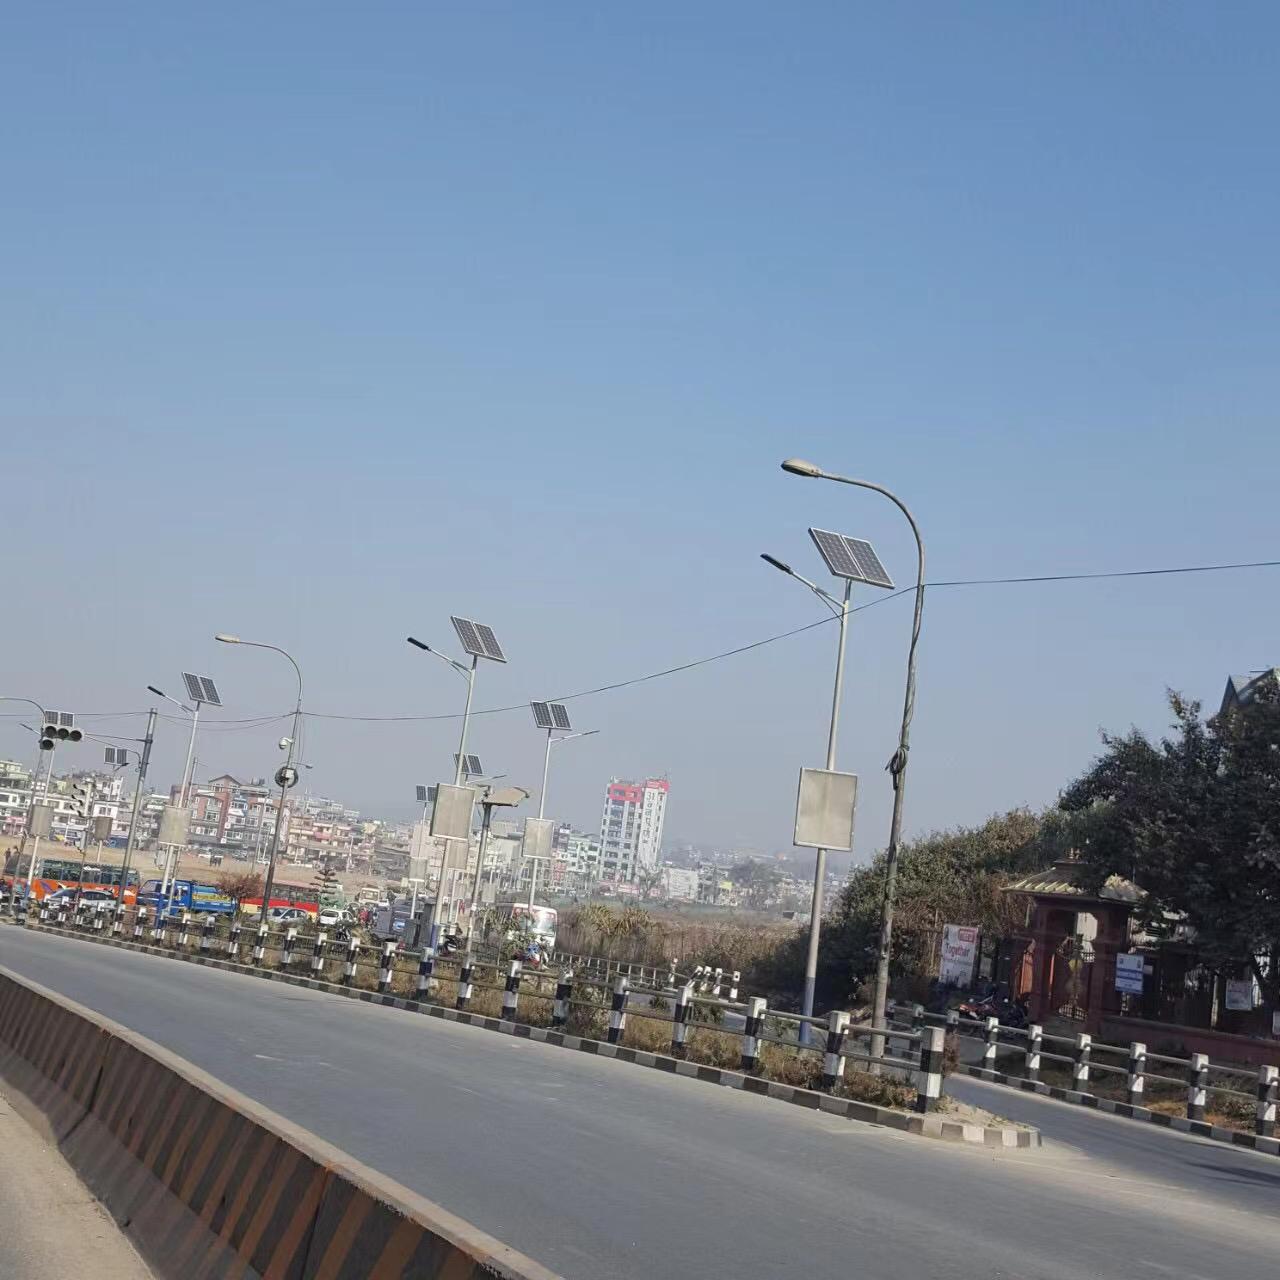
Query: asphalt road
{"type": "Point", "coordinates": [601, 1169]}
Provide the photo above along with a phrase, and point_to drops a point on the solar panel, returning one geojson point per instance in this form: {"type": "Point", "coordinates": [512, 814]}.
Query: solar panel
{"type": "Point", "coordinates": [473, 766]}
{"type": "Point", "coordinates": [466, 630]}
{"type": "Point", "coordinates": [492, 649]}
{"type": "Point", "coordinates": [421, 793]}
{"type": "Point", "coordinates": [195, 690]}
{"type": "Point", "coordinates": [210, 692]}
{"type": "Point", "coordinates": [560, 715]}
{"type": "Point", "coordinates": [850, 558]}
{"type": "Point", "coordinates": [431, 794]}
{"type": "Point", "coordinates": [542, 715]}
{"type": "Point", "coordinates": [65, 719]}
{"type": "Point", "coordinates": [117, 756]}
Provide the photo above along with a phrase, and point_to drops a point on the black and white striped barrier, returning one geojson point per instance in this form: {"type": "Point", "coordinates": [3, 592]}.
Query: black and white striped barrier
{"type": "Point", "coordinates": [1268, 1088]}
{"type": "Point", "coordinates": [1080, 1062]}
{"type": "Point", "coordinates": [117, 922]}
{"type": "Point", "coordinates": [833, 1059]}
{"type": "Point", "coordinates": [290, 940]}
{"type": "Point", "coordinates": [139, 923]}
{"type": "Point", "coordinates": [733, 984]}
{"type": "Point", "coordinates": [1197, 1086]}
{"type": "Point", "coordinates": [564, 993]}
{"type": "Point", "coordinates": [160, 933]}
{"type": "Point", "coordinates": [99, 919]}
{"type": "Point", "coordinates": [184, 935]}
{"type": "Point", "coordinates": [44, 912]}
{"type": "Point", "coordinates": [259, 944]}
{"type": "Point", "coordinates": [206, 934]}
{"type": "Point", "coordinates": [1136, 1079]}
{"type": "Point", "coordinates": [384, 969]}
{"type": "Point", "coordinates": [929, 1077]}
{"type": "Point", "coordinates": [426, 967]}
{"type": "Point", "coordinates": [715, 985]}
{"type": "Point", "coordinates": [233, 941]}
{"type": "Point", "coordinates": [62, 912]}
{"type": "Point", "coordinates": [618, 1009]}
{"type": "Point", "coordinates": [349, 964]}
{"type": "Point", "coordinates": [752, 1027]}
{"type": "Point", "coordinates": [78, 919]}
{"type": "Point", "coordinates": [317, 955]}
{"type": "Point", "coordinates": [680, 1020]}
{"type": "Point", "coordinates": [465, 988]}
{"type": "Point", "coordinates": [671, 973]}
{"type": "Point", "coordinates": [1035, 1042]}
{"type": "Point", "coordinates": [992, 1045]}
{"type": "Point", "coordinates": [511, 992]}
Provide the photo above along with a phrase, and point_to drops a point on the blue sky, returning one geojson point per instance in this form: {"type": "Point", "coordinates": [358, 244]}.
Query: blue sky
{"type": "Point", "coordinates": [323, 322]}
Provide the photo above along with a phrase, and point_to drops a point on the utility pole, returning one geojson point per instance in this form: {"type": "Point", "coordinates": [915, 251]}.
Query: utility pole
{"type": "Point", "coordinates": [143, 761]}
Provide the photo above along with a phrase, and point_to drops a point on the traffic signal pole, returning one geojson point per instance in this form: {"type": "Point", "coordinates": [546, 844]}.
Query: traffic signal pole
{"type": "Point", "coordinates": [143, 760]}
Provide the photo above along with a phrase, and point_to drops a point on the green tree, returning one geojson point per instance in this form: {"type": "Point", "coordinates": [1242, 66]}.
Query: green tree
{"type": "Point", "coordinates": [326, 882]}
{"type": "Point", "coordinates": [1194, 821]}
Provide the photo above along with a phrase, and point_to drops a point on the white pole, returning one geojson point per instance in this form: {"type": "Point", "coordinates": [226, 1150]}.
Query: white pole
{"type": "Point", "coordinates": [546, 769]}
{"type": "Point", "coordinates": [191, 749]}
{"type": "Point", "coordinates": [466, 718]}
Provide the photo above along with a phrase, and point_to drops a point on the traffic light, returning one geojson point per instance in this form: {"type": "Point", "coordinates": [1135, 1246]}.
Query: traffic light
{"type": "Point", "coordinates": [59, 726]}
{"type": "Point", "coordinates": [82, 796]}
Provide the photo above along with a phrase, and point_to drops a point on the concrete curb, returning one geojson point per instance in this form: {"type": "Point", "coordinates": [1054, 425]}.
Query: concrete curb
{"type": "Point", "coordinates": [206, 1181]}
{"type": "Point", "coordinates": [1200, 1128]}
{"type": "Point", "coordinates": [926, 1126]}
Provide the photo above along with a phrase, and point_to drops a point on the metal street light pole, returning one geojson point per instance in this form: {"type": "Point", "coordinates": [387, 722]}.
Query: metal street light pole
{"type": "Point", "coordinates": [287, 775]}
{"type": "Point", "coordinates": [171, 857]}
{"type": "Point", "coordinates": [546, 763]}
{"type": "Point", "coordinates": [143, 761]}
{"type": "Point", "coordinates": [31, 807]}
{"type": "Point", "coordinates": [841, 610]}
{"type": "Point", "coordinates": [898, 763]}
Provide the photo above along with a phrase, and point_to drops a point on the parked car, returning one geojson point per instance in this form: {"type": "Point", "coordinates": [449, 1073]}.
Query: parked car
{"type": "Point", "coordinates": [289, 915]}
{"type": "Point", "coordinates": [91, 899]}
{"type": "Point", "coordinates": [333, 917]}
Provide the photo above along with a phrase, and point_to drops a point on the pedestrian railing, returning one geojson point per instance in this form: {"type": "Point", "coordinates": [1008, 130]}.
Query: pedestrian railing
{"type": "Point", "coordinates": [1086, 1059]}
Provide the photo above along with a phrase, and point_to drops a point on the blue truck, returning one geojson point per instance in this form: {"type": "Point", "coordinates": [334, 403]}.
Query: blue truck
{"type": "Point", "coordinates": [185, 895]}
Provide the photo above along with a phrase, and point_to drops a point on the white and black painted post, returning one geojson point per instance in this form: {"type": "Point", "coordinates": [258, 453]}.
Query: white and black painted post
{"type": "Point", "coordinates": [752, 1027]}
{"type": "Point", "coordinates": [384, 969]}
{"type": "Point", "coordinates": [511, 992]}
{"type": "Point", "coordinates": [1197, 1086]}
{"type": "Point", "coordinates": [317, 955]}
{"type": "Point", "coordinates": [992, 1046]}
{"type": "Point", "coordinates": [1265, 1115]}
{"type": "Point", "coordinates": [98, 921]}
{"type": "Point", "coordinates": [349, 964]}
{"type": "Point", "coordinates": [1035, 1042]}
{"type": "Point", "coordinates": [1137, 1073]}
{"type": "Point", "coordinates": [564, 994]}
{"type": "Point", "coordinates": [290, 938]}
{"type": "Point", "coordinates": [465, 987]}
{"type": "Point", "coordinates": [426, 967]}
{"type": "Point", "coordinates": [184, 934]}
{"type": "Point", "coordinates": [117, 920]}
{"type": "Point", "coordinates": [715, 986]}
{"type": "Point", "coordinates": [618, 1009]}
{"type": "Point", "coordinates": [680, 1023]}
{"type": "Point", "coordinates": [139, 923]}
{"type": "Point", "coordinates": [671, 973]}
{"type": "Point", "coordinates": [833, 1059]}
{"type": "Point", "coordinates": [733, 984]}
{"type": "Point", "coordinates": [206, 934]}
{"type": "Point", "coordinates": [1080, 1062]}
{"type": "Point", "coordinates": [260, 943]}
{"type": "Point", "coordinates": [161, 932]}
{"type": "Point", "coordinates": [233, 941]}
{"type": "Point", "coordinates": [78, 920]}
{"type": "Point", "coordinates": [929, 1078]}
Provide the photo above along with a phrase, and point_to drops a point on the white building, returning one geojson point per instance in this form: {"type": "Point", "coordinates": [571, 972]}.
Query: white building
{"type": "Point", "coordinates": [631, 827]}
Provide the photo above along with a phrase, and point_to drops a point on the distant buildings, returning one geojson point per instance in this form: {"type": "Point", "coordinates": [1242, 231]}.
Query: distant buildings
{"type": "Point", "coordinates": [631, 828]}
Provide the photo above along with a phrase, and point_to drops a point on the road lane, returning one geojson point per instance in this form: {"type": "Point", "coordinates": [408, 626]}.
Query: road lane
{"type": "Point", "coordinates": [600, 1169]}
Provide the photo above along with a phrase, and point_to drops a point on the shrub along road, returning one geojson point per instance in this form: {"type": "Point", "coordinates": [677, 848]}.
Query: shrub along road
{"type": "Point", "coordinates": [599, 1169]}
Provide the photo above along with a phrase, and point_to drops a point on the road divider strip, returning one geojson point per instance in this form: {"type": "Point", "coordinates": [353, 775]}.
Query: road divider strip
{"type": "Point", "coordinates": [934, 1125]}
{"type": "Point", "coordinates": [207, 1182]}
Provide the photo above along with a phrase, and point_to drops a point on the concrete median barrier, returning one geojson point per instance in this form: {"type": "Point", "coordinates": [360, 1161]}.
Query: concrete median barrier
{"type": "Point", "coordinates": [206, 1182]}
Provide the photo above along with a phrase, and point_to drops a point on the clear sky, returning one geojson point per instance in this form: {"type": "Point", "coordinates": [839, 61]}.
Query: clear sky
{"type": "Point", "coordinates": [321, 322]}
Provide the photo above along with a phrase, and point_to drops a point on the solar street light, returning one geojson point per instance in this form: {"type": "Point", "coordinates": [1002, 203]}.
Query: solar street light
{"type": "Point", "coordinates": [898, 763]}
{"type": "Point", "coordinates": [553, 717]}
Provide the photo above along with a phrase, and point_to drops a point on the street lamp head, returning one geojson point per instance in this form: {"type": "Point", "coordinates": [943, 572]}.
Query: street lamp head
{"type": "Point", "coordinates": [160, 693]}
{"type": "Point", "coordinates": [777, 564]}
{"type": "Point", "coordinates": [799, 467]}
{"type": "Point", "coordinates": [226, 639]}
{"type": "Point", "coordinates": [417, 644]}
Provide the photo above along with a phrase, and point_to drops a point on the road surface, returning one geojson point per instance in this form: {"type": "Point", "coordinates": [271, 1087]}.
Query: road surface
{"type": "Point", "coordinates": [601, 1169]}
{"type": "Point", "coordinates": [50, 1226]}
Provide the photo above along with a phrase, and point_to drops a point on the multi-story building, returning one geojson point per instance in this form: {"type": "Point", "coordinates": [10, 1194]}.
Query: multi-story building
{"type": "Point", "coordinates": [631, 827]}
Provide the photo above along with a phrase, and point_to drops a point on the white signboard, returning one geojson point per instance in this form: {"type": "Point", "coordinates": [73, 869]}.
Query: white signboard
{"type": "Point", "coordinates": [959, 950]}
{"type": "Point", "coordinates": [1129, 973]}
{"type": "Point", "coordinates": [1239, 993]}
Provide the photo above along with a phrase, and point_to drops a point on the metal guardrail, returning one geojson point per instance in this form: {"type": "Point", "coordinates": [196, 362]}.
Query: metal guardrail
{"type": "Point", "coordinates": [1197, 1068]}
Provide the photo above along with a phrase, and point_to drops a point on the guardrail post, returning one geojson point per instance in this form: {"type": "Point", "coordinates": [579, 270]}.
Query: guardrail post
{"type": "Point", "coordinates": [1080, 1063]}
{"type": "Point", "coordinates": [117, 921]}
{"type": "Point", "coordinates": [992, 1045]}
{"type": "Point", "coordinates": [1197, 1084]}
{"type": "Point", "coordinates": [43, 914]}
{"type": "Point", "coordinates": [564, 993]}
{"type": "Point", "coordinates": [733, 984]}
{"type": "Point", "coordinates": [233, 941]}
{"type": "Point", "coordinates": [317, 955]}
{"type": "Point", "coordinates": [715, 986]}
{"type": "Point", "coordinates": [464, 981]}
{"type": "Point", "coordinates": [917, 1017]}
{"type": "Point", "coordinates": [511, 991]}
{"type": "Point", "coordinates": [139, 923]}
{"type": "Point", "coordinates": [62, 913]}
{"type": "Point", "coordinates": [349, 964]}
{"type": "Point", "coordinates": [160, 933]}
{"type": "Point", "coordinates": [751, 1035]}
{"type": "Point", "coordinates": [1137, 1070]}
{"type": "Point", "coordinates": [618, 1010]}
{"type": "Point", "coordinates": [98, 919]}
{"type": "Point", "coordinates": [1035, 1042]}
{"type": "Point", "coordinates": [929, 1077]}
{"type": "Point", "coordinates": [680, 1024]}
{"type": "Point", "coordinates": [78, 918]}
{"type": "Point", "coordinates": [426, 967]}
{"type": "Point", "coordinates": [671, 973]}
{"type": "Point", "coordinates": [384, 969]}
{"type": "Point", "coordinates": [290, 938]}
{"type": "Point", "coordinates": [1265, 1117]}
{"type": "Point", "coordinates": [260, 943]}
{"type": "Point", "coordinates": [184, 935]}
{"type": "Point", "coordinates": [206, 932]}
{"type": "Point", "coordinates": [833, 1059]}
